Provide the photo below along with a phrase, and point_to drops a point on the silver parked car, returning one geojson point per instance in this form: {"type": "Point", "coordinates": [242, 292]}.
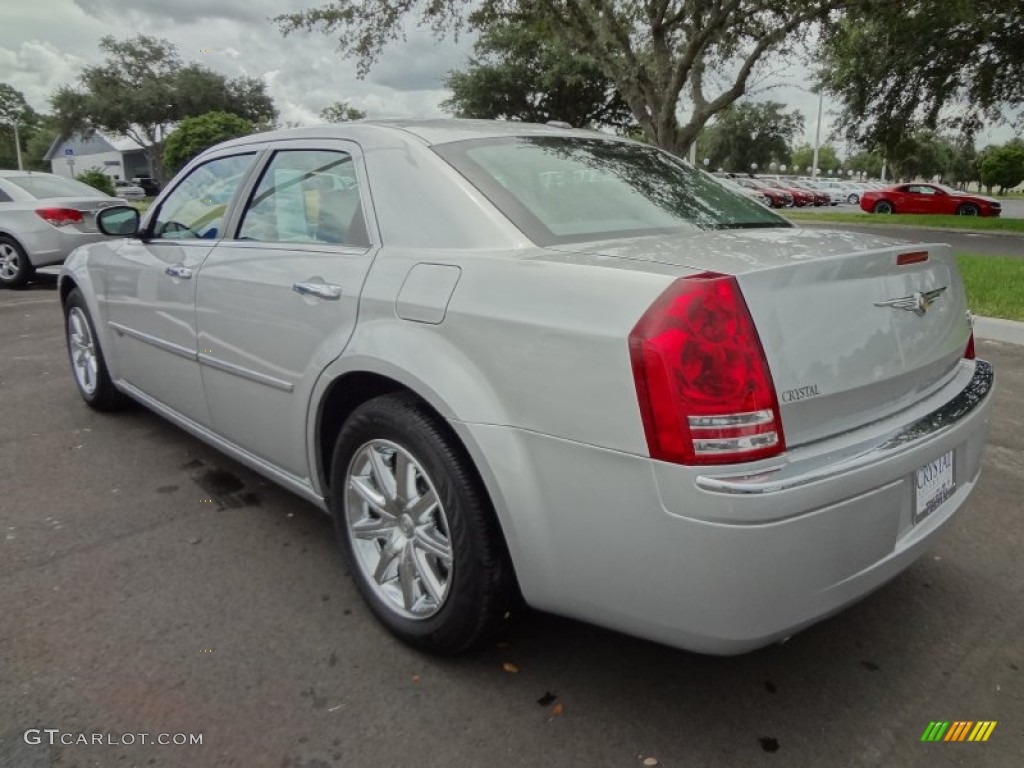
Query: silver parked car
{"type": "Point", "coordinates": [515, 360]}
{"type": "Point", "coordinates": [43, 217]}
{"type": "Point", "coordinates": [128, 190]}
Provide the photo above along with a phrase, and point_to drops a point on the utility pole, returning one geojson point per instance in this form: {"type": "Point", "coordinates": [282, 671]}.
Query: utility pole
{"type": "Point", "coordinates": [17, 145]}
{"type": "Point", "coordinates": [817, 138]}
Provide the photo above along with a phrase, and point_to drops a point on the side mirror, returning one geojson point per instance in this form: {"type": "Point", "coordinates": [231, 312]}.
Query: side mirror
{"type": "Point", "coordinates": [118, 221]}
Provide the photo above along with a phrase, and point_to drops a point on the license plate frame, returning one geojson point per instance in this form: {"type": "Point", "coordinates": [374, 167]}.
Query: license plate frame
{"type": "Point", "coordinates": [934, 484]}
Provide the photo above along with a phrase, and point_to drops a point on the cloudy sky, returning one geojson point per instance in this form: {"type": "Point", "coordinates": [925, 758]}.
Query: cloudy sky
{"type": "Point", "coordinates": [44, 44]}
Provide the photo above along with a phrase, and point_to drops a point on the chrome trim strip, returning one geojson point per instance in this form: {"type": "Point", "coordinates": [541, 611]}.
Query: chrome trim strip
{"type": "Point", "coordinates": [298, 485]}
{"type": "Point", "coordinates": [166, 346]}
{"type": "Point", "coordinates": [726, 421]}
{"type": "Point", "coordinates": [786, 478]}
{"type": "Point", "coordinates": [245, 373]}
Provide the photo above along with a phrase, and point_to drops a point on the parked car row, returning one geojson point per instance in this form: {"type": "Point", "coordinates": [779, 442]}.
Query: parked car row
{"type": "Point", "coordinates": [796, 191]}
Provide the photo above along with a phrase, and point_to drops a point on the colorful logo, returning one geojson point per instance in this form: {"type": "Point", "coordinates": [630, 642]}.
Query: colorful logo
{"type": "Point", "coordinates": [959, 730]}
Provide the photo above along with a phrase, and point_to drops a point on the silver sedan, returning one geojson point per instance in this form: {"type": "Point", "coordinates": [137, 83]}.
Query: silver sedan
{"type": "Point", "coordinates": [526, 364]}
{"type": "Point", "coordinates": [43, 217]}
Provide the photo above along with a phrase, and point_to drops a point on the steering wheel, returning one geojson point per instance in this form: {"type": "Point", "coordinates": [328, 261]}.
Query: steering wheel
{"type": "Point", "coordinates": [171, 227]}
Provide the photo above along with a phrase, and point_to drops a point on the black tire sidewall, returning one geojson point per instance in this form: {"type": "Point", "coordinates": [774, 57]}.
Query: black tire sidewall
{"type": "Point", "coordinates": [886, 205]}
{"type": "Point", "coordinates": [25, 268]}
{"type": "Point", "coordinates": [105, 396]}
{"type": "Point", "coordinates": [478, 552]}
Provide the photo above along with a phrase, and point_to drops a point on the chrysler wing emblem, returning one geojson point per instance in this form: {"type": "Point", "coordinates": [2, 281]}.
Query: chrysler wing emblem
{"type": "Point", "coordinates": [917, 303]}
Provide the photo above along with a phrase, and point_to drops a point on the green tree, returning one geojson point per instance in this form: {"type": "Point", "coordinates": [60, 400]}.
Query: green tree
{"type": "Point", "coordinates": [828, 158]}
{"type": "Point", "coordinates": [894, 65]}
{"type": "Point", "coordinates": [524, 72]}
{"type": "Point", "coordinates": [962, 167]}
{"type": "Point", "coordinates": [869, 163]}
{"type": "Point", "coordinates": [923, 154]}
{"type": "Point", "coordinates": [97, 179]}
{"type": "Point", "coordinates": [341, 112]}
{"type": "Point", "coordinates": [142, 90]}
{"type": "Point", "coordinates": [653, 51]}
{"type": "Point", "coordinates": [1003, 166]}
{"type": "Point", "coordinates": [752, 132]}
{"type": "Point", "coordinates": [197, 134]}
{"type": "Point", "coordinates": [17, 119]}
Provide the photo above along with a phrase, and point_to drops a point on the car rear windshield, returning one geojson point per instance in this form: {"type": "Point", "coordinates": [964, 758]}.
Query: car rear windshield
{"type": "Point", "coordinates": [564, 189]}
{"type": "Point", "coordinates": [43, 186]}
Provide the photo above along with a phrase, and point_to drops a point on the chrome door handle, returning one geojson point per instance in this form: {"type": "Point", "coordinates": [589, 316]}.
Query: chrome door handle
{"type": "Point", "coordinates": [320, 290]}
{"type": "Point", "coordinates": [179, 270]}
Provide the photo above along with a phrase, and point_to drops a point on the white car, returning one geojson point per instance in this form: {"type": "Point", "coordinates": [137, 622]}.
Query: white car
{"type": "Point", "coordinates": [842, 191]}
{"type": "Point", "coordinates": [43, 217]}
{"type": "Point", "coordinates": [521, 360]}
{"type": "Point", "coordinates": [128, 190]}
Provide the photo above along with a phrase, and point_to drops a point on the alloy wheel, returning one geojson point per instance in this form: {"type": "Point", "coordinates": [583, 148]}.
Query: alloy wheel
{"type": "Point", "coordinates": [10, 261]}
{"type": "Point", "coordinates": [398, 529]}
{"type": "Point", "coordinates": [83, 351]}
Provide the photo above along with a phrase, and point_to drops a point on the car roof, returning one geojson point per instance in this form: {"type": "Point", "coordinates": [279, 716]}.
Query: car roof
{"type": "Point", "coordinates": [427, 131]}
{"type": "Point", "coordinates": [5, 173]}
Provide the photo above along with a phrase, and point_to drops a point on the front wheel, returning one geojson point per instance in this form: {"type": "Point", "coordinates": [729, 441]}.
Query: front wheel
{"type": "Point", "coordinates": [968, 209]}
{"type": "Point", "coordinates": [87, 362]}
{"type": "Point", "coordinates": [15, 268]}
{"type": "Point", "coordinates": [415, 524]}
{"type": "Point", "coordinates": [883, 206]}
{"type": "Point", "coordinates": [853, 199]}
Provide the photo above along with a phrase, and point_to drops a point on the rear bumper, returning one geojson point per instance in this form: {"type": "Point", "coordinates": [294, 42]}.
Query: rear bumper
{"type": "Point", "coordinates": [654, 550]}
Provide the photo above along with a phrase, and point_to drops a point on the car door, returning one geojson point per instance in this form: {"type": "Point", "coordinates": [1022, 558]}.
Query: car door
{"type": "Point", "coordinates": [151, 286]}
{"type": "Point", "coordinates": [938, 200]}
{"type": "Point", "coordinates": [920, 199]}
{"type": "Point", "coordinates": [277, 302]}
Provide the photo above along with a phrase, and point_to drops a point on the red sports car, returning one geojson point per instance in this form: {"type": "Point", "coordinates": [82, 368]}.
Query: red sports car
{"type": "Point", "coordinates": [928, 198]}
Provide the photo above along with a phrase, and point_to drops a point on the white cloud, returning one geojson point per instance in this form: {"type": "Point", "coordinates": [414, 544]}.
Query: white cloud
{"type": "Point", "coordinates": [45, 43]}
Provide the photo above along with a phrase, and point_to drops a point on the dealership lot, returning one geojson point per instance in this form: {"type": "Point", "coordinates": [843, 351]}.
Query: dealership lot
{"type": "Point", "coordinates": [150, 585]}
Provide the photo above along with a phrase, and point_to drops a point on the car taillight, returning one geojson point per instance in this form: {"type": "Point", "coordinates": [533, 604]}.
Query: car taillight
{"type": "Point", "coordinates": [59, 217]}
{"type": "Point", "coordinates": [706, 394]}
{"type": "Point", "coordinates": [969, 352]}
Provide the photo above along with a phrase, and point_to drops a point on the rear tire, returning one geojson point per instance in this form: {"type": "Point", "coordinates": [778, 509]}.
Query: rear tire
{"type": "Point", "coordinates": [884, 207]}
{"type": "Point", "coordinates": [434, 570]}
{"type": "Point", "coordinates": [87, 362]}
{"type": "Point", "coordinates": [968, 209]}
{"type": "Point", "coordinates": [15, 268]}
{"type": "Point", "coordinates": [853, 199]}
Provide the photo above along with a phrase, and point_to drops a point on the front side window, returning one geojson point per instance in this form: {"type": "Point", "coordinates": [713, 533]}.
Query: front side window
{"type": "Point", "coordinates": [562, 189]}
{"type": "Point", "coordinates": [306, 196]}
{"type": "Point", "coordinates": [196, 207]}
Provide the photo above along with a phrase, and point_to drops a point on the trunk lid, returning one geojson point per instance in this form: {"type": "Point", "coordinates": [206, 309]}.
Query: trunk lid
{"type": "Point", "coordinates": [851, 335]}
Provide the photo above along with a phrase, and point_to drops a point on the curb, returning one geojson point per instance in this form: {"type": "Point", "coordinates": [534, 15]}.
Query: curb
{"type": "Point", "coordinates": [997, 329]}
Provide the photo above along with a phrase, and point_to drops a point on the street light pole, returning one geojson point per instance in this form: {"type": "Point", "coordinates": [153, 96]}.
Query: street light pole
{"type": "Point", "coordinates": [17, 146]}
{"type": "Point", "coordinates": [817, 138]}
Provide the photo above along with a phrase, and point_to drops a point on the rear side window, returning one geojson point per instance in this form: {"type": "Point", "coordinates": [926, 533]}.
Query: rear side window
{"type": "Point", "coordinates": [43, 186]}
{"type": "Point", "coordinates": [306, 196]}
{"type": "Point", "coordinates": [4, 197]}
{"type": "Point", "coordinates": [564, 189]}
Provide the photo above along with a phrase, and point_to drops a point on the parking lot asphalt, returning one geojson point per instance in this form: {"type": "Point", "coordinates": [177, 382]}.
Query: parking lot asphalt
{"type": "Point", "coordinates": [150, 585]}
